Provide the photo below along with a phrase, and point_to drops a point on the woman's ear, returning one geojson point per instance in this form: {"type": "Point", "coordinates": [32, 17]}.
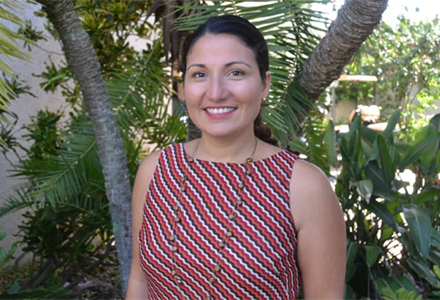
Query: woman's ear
{"type": "Point", "coordinates": [266, 84]}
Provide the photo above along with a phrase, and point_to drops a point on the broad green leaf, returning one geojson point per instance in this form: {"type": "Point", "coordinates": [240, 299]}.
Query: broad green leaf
{"type": "Point", "coordinates": [392, 122]}
{"type": "Point", "coordinates": [330, 144]}
{"type": "Point", "coordinates": [364, 188]}
{"type": "Point", "coordinates": [14, 289]}
{"type": "Point", "coordinates": [417, 150]}
{"type": "Point", "coordinates": [382, 212]}
{"type": "Point", "coordinates": [372, 252]}
{"type": "Point", "coordinates": [436, 270]}
{"type": "Point", "coordinates": [395, 283]}
{"type": "Point", "coordinates": [2, 235]}
{"type": "Point", "coordinates": [423, 271]}
{"type": "Point", "coordinates": [419, 224]}
{"type": "Point", "coordinates": [3, 255]}
{"type": "Point", "coordinates": [374, 173]}
{"type": "Point", "coordinates": [434, 256]}
{"type": "Point", "coordinates": [435, 237]}
{"type": "Point", "coordinates": [386, 162]}
{"type": "Point", "coordinates": [425, 196]}
{"type": "Point", "coordinates": [351, 255]}
{"type": "Point", "coordinates": [368, 135]}
{"type": "Point", "coordinates": [349, 292]}
{"type": "Point", "coordinates": [435, 121]}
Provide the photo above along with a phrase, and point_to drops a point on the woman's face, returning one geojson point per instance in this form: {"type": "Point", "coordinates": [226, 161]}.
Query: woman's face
{"type": "Point", "coordinates": [223, 87]}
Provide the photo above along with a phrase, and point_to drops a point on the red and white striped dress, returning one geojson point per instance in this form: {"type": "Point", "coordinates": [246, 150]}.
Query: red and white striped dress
{"type": "Point", "coordinates": [259, 261]}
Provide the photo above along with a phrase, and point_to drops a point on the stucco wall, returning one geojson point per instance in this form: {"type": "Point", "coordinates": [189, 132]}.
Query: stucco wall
{"type": "Point", "coordinates": [25, 107]}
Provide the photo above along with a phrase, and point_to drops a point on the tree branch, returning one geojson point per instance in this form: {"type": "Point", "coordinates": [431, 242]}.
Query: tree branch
{"type": "Point", "coordinates": [355, 22]}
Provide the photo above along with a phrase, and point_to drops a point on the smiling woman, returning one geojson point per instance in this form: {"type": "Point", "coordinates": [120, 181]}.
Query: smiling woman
{"type": "Point", "coordinates": [231, 215]}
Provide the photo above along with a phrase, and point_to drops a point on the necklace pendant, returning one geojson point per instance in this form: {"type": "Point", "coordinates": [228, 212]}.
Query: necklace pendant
{"type": "Point", "coordinates": [249, 160]}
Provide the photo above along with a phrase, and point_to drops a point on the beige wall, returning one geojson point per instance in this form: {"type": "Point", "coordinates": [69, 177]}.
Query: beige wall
{"type": "Point", "coordinates": [25, 107]}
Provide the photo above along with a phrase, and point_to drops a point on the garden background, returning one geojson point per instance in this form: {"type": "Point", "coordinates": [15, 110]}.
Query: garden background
{"type": "Point", "coordinates": [72, 164]}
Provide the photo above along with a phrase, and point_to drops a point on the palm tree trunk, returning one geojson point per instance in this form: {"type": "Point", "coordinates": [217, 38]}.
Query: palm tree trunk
{"type": "Point", "coordinates": [355, 22]}
{"type": "Point", "coordinates": [85, 66]}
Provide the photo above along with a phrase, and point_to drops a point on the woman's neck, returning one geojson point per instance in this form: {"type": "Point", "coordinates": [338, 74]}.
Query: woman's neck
{"type": "Point", "coordinates": [225, 150]}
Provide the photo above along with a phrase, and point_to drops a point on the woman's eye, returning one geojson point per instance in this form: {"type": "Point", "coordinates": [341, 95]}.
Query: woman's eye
{"type": "Point", "coordinates": [198, 75]}
{"type": "Point", "coordinates": [237, 73]}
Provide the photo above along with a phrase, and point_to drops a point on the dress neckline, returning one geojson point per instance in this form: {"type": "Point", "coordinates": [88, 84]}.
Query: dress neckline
{"type": "Point", "coordinates": [182, 150]}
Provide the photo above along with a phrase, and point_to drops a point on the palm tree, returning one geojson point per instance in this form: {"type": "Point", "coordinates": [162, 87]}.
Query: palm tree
{"type": "Point", "coordinates": [355, 22]}
{"type": "Point", "coordinates": [85, 66]}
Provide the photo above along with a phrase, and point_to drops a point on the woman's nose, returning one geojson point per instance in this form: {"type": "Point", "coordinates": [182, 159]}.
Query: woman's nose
{"type": "Point", "coordinates": [217, 89]}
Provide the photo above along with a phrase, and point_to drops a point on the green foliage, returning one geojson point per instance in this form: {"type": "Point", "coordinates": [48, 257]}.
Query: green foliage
{"type": "Point", "coordinates": [310, 142]}
{"type": "Point", "coordinates": [8, 51]}
{"type": "Point", "coordinates": [5, 256]}
{"type": "Point", "coordinates": [390, 229]}
{"type": "Point", "coordinates": [414, 85]}
{"type": "Point", "coordinates": [43, 132]}
{"type": "Point", "coordinates": [54, 292]}
{"type": "Point", "coordinates": [31, 34]}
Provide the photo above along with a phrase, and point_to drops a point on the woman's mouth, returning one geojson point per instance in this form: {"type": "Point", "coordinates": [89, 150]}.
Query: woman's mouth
{"type": "Point", "coordinates": [218, 113]}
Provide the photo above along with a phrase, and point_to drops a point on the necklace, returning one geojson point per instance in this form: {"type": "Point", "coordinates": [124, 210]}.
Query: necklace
{"type": "Point", "coordinates": [227, 235]}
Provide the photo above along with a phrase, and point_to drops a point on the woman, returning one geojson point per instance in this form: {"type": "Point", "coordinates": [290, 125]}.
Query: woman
{"type": "Point", "coordinates": [230, 215]}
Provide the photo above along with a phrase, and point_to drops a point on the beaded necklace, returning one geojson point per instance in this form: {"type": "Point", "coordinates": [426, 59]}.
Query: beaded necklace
{"type": "Point", "coordinates": [228, 234]}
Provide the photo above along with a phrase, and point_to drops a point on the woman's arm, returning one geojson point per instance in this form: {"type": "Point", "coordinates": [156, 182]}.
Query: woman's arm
{"type": "Point", "coordinates": [321, 233]}
{"type": "Point", "coordinates": [137, 288]}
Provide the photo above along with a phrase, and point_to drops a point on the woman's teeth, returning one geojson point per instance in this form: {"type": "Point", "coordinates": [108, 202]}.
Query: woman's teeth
{"type": "Point", "coordinates": [218, 111]}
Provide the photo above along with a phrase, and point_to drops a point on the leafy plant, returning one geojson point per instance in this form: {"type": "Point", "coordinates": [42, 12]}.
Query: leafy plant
{"type": "Point", "coordinates": [5, 256]}
{"type": "Point", "coordinates": [391, 231]}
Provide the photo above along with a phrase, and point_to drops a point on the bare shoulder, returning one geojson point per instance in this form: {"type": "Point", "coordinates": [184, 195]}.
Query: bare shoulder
{"type": "Point", "coordinates": [311, 193]}
{"type": "Point", "coordinates": [308, 174]}
{"type": "Point", "coordinates": [149, 163]}
{"type": "Point", "coordinates": [266, 150]}
{"type": "Point", "coordinates": [144, 175]}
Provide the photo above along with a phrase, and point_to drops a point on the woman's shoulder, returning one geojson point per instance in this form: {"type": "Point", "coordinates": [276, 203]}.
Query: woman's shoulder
{"type": "Point", "coordinates": [310, 188]}
{"type": "Point", "coordinates": [149, 163]}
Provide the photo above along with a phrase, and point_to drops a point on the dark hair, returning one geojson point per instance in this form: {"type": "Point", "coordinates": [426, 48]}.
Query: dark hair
{"type": "Point", "coordinates": [252, 37]}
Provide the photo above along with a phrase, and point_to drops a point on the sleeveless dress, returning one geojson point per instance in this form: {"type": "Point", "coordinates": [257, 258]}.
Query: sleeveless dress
{"type": "Point", "coordinates": [259, 260]}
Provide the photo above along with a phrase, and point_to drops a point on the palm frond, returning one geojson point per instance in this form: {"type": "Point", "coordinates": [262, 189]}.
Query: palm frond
{"type": "Point", "coordinates": [8, 50]}
{"type": "Point", "coordinates": [59, 178]}
{"type": "Point", "coordinates": [140, 101]}
{"type": "Point", "coordinates": [291, 33]}
{"type": "Point", "coordinates": [312, 142]}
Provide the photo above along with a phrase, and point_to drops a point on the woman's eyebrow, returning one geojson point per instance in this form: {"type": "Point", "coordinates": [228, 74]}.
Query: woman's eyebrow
{"type": "Point", "coordinates": [196, 65]}
{"type": "Point", "coordinates": [237, 62]}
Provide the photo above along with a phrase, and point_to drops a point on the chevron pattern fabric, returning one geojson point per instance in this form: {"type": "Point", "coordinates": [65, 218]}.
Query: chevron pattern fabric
{"type": "Point", "coordinates": [259, 261]}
